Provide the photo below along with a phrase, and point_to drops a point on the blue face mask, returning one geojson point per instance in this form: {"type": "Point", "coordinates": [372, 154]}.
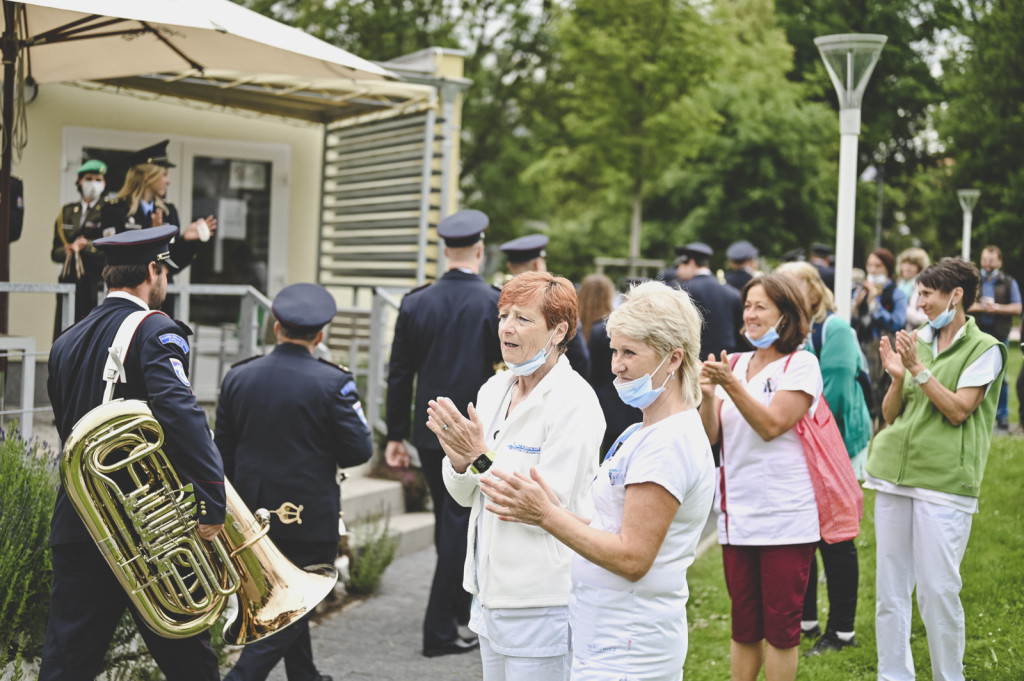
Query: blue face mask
{"type": "Point", "coordinates": [944, 318]}
{"type": "Point", "coordinates": [766, 340]}
{"type": "Point", "coordinates": [531, 365]}
{"type": "Point", "coordinates": [638, 392]}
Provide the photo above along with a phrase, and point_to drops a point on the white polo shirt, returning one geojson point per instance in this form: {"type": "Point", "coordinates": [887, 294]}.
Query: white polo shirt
{"type": "Point", "coordinates": [764, 495]}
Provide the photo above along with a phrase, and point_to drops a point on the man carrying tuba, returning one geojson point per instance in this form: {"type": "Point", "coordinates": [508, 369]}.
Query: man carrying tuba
{"type": "Point", "coordinates": [87, 601]}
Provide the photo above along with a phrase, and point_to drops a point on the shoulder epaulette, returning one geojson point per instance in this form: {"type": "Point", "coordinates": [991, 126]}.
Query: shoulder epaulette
{"type": "Point", "coordinates": [418, 288]}
{"type": "Point", "coordinates": [185, 328]}
{"type": "Point", "coordinates": [247, 359]}
{"type": "Point", "coordinates": [332, 364]}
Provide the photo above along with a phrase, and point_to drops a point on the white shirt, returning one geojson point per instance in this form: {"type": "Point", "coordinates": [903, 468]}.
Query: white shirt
{"type": "Point", "coordinates": [769, 499]}
{"type": "Point", "coordinates": [673, 453]}
{"type": "Point", "coordinates": [128, 296]}
{"type": "Point", "coordinates": [981, 372]}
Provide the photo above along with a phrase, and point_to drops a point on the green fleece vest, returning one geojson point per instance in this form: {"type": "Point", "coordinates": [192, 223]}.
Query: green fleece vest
{"type": "Point", "coordinates": [922, 448]}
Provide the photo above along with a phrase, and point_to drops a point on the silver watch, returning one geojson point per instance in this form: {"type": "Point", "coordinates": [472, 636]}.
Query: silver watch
{"type": "Point", "coordinates": [923, 377]}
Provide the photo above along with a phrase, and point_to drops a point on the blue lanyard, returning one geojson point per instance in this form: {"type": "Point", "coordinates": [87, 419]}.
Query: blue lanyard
{"type": "Point", "coordinates": [620, 440]}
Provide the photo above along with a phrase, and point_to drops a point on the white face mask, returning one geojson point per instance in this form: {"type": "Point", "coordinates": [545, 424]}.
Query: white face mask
{"type": "Point", "coordinates": [92, 189]}
{"type": "Point", "coordinates": [878, 279]}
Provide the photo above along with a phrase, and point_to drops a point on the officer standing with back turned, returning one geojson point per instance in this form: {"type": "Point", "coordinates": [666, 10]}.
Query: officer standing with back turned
{"type": "Point", "coordinates": [86, 600]}
{"type": "Point", "coordinates": [446, 338]}
{"type": "Point", "coordinates": [285, 423]}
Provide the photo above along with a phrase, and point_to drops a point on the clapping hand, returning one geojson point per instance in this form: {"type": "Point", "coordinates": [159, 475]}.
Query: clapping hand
{"type": "Point", "coordinates": [891, 360]}
{"type": "Point", "coordinates": [906, 347]}
{"type": "Point", "coordinates": [462, 439]}
{"type": "Point", "coordinates": [716, 372]}
{"type": "Point", "coordinates": [516, 498]}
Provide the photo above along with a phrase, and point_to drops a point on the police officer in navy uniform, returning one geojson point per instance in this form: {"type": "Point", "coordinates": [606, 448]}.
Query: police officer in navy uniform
{"type": "Point", "coordinates": [719, 304]}
{"type": "Point", "coordinates": [742, 257]}
{"type": "Point", "coordinates": [821, 258]}
{"type": "Point", "coordinates": [140, 205]}
{"type": "Point", "coordinates": [76, 227]}
{"type": "Point", "coordinates": [285, 423]}
{"type": "Point", "coordinates": [527, 254]}
{"type": "Point", "coordinates": [87, 601]}
{"type": "Point", "coordinates": [446, 338]}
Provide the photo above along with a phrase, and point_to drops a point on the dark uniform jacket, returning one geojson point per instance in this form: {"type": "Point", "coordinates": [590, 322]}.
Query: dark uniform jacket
{"type": "Point", "coordinates": [68, 227]}
{"type": "Point", "coordinates": [447, 337]}
{"type": "Point", "coordinates": [719, 305]}
{"type": "Point", "coordinates": [156, 366]}
{"type": "Point", "coordinates": [617, 414]}
{"type": "Point", "coordinates": [285, 423]}
{"type": "Point", "coordinates": [115, 214]}
{"type": "Point", "coordinates": [737, 279]}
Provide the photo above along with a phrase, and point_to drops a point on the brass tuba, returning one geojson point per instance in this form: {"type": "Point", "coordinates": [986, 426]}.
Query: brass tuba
{"type": "Point", "coordinates": [144, 522]}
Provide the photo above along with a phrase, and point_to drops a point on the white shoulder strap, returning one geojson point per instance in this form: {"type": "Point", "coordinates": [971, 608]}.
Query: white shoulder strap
{"type": "Point", "coordinates": [113, 371]}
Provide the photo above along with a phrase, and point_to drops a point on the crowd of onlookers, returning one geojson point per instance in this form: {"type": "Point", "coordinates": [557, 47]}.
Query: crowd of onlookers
{"type": "Point", "coordinates": [742, 391]}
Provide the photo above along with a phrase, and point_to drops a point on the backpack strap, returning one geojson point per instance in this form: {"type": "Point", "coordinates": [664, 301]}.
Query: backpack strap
{"type": "Point", "coordinates": [113, 370]}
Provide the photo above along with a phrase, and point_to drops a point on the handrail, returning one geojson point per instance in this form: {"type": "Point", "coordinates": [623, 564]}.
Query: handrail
{"type": "Point", "coordinates": [251, 299]}
{"type": "Point", "coordinates": [66, 291]}
{"type": "Point", "coordinates": [377, 372]}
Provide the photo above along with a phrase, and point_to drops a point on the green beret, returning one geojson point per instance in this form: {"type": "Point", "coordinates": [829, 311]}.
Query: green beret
{"type": "Point", "coordinates": [93, 166]}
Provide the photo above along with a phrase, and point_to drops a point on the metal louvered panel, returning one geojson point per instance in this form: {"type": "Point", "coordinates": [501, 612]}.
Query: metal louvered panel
{"type": "Point", "coordinates": [381, 202]}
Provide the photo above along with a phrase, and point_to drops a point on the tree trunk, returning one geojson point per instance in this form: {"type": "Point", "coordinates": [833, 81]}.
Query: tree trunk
{"type": "Point", "coordinates": [634, 227]}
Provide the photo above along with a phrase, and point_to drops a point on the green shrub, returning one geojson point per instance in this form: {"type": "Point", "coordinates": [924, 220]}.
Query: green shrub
{"type": "Point", "coordinates": [28, 489]}
{"type": "Point", "coordinates": [375, 546]}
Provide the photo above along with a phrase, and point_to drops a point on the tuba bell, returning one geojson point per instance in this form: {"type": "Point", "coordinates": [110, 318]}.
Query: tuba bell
{"type": "Point", "coordinates": [143, 519]}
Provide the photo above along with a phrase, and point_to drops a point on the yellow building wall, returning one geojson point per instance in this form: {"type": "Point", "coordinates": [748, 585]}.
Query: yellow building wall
{"type": "Point", "coordinates": [58, 106]}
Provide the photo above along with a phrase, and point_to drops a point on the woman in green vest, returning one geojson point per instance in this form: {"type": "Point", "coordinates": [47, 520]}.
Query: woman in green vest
{"type": "Point", "coordinates": [927, 467]}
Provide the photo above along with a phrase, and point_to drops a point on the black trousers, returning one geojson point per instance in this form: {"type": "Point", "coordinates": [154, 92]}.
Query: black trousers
{"type": "Point", "coordinates": [292, 643]}
{"type": "Point", "coordinates": [841, 575]}
{"type": "Point", "coordinates": [449, 603]}
{"type": "Point", "coordinates": [86, 604]}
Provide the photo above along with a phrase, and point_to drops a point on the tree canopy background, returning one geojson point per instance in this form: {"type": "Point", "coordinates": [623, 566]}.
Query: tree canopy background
{"type": "Point", "coordinates": [714, 120]}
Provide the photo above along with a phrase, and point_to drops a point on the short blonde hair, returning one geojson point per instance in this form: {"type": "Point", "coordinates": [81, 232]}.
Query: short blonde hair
{"type": "Point", "coordinates": [917, 256]}
{"type": "Point", "coordinates": [663, 318]}
{"type": "Point", "coordinates": [822, 301]}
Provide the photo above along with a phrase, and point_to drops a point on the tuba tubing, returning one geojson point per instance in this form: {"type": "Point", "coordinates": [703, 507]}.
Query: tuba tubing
{"type": "Point", "coordinates": [143, 520]}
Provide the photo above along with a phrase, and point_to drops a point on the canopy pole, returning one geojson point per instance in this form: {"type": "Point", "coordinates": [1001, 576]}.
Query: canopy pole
{"type": "Point", "coordinates": [9, 49]}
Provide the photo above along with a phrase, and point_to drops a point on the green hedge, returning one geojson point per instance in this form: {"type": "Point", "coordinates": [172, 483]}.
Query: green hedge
{"type": "Point", "coordinates": [28, 489]}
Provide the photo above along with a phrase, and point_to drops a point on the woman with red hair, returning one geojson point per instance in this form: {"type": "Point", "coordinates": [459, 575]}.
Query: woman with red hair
{"type": "Point", "coordinates": [540, 414]}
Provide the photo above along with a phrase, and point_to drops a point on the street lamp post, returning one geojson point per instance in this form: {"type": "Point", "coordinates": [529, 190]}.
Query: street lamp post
{"type": "Point", "coordinates": [968, 197]}
{"type": "Point", "coordinates": [849, 58]}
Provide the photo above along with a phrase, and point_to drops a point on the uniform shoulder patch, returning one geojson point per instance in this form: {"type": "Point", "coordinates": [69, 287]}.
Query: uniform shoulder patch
{"type": "Point", "coordinates": [174, 339]}
{"type": "Point", "coordinates": [348, 388]}
{"type": "Point", "coordinates": [245, 361]}
{"type": "Point", "coordinates": [179, 370]}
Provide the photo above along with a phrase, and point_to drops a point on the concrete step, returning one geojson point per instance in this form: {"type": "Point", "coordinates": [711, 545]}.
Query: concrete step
{"type": "Point", "coordinates": [364, 497]}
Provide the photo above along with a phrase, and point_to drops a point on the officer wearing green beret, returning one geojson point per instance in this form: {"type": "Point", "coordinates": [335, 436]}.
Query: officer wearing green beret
{"type": "Point", "coordinates": [77, 225]}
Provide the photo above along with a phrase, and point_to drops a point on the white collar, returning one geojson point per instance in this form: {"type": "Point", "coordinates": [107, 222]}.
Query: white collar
{"type": "Point", "coordinates": [931, 336]}
{"type": "Point", "coordinates": [704, 270]}
{"type": "Point", "coordinates": [127, 296]}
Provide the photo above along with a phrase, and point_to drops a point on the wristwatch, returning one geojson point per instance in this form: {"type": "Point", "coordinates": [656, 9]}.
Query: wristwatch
{"type": "Point", "coordinates": [482, 463]}
{"type": "Point", "coordinates": [923, 377]}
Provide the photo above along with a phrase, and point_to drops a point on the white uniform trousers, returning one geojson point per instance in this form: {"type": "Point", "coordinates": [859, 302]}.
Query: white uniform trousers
{"type": "Point", "coordinates": [922, 544]}
{"type": "Point", "coordinates": [499, 667]}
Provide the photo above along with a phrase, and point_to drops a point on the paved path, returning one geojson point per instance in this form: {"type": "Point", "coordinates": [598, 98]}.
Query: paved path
{"type": "Point", "coordinates": [380, 638]}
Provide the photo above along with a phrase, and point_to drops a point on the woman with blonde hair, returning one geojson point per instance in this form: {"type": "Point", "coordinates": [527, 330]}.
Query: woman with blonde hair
{"type": "Point", "coordinates": [909, 264]}
{"type": "Point", "coordinates": [840, 360]}
{"type": "Point", "coordinates": [596, 298]}
{"type": "Point", "coordinates": [140, 204]}
{"type": "Point", "coordinates": [651, 499]}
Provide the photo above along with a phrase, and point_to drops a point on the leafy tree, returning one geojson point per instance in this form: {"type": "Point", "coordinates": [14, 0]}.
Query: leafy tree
{"type": "Point", "coordinates": [982, 128]}
{"type": "Point", "coordinates": [626, 75]}
{"type": "Point", "coordinates": [507, 45]}
{"type": "Point", "coordinates": [769, 175]}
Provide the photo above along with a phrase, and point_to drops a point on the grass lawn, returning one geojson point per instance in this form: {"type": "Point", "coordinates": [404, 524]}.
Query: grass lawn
{"type": "Point", "coordinates": [993, 591]}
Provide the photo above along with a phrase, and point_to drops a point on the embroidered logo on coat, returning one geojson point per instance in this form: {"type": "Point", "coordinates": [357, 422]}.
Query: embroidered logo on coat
{"type": "Point", "coordinates": [525, 449]}
{"type": "Point", "coordinates": [179, 371]}
{"type": "Point", "coordinates": [176, 340]}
